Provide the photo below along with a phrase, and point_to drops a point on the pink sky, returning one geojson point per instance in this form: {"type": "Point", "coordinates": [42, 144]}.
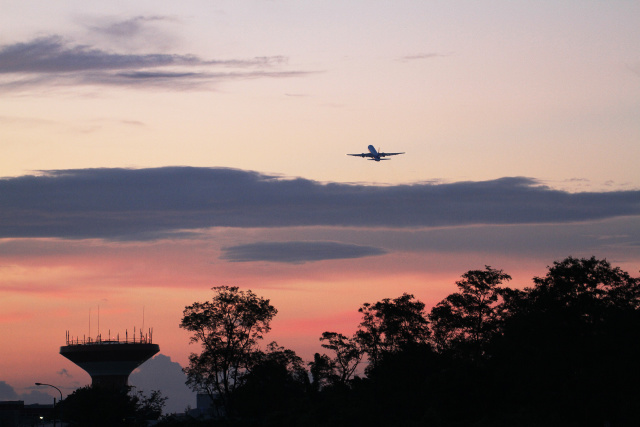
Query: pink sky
{"type": "Point", "coordinates": [61, 284]}
{"type": "Point", "coordinates": [519, 122]}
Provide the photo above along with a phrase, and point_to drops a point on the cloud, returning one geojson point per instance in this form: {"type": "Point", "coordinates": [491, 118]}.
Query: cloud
{"type": "Point", "coordinates": [7, 392]}
{"type": "Point", "coordinates": [64, 373]}
{"type": "Point", "coordinates": [54, 61]}
{"type": "Point", "coordinates": [128, 28]}
{"type": "Point", "coordinates": [133, 34]}
{"type": "Point", "coordinates": [53, 55]}
{"type": "Point", "coordinates": [297, 252]}
{"type": "Point", "coordinates": [421, 56]}
{"type": "Point", "coordinates": [13, 317]}
{"type": "Point", "coordinates": [611, 235]}
{"type": "Point", "coordinates": [160, 373]}
{"type": "Point", "coordinates": [143, 204]}
{"type": "Point", "coordinates": [25, 121]}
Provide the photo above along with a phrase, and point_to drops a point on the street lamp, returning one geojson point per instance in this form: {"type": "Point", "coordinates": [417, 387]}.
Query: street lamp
{"type": "Point", "coordinates": [54, 400]}
{"type": "Point", "coordinates": [53, 387]}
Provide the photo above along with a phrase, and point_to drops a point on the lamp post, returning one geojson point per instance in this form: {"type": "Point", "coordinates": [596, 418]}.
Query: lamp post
{"type": "Point", "coordinates": [54, 401]}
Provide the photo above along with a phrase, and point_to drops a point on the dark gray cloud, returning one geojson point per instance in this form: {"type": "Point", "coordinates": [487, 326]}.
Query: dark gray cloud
{"type": "Point", "coordinates": [53, 55]}
{"type": "Point", "coordinates": [52, 60]}
{"type": "Point", "coordinates": [147, 203]}
{"type": "Point", "coordinates": [297, 252]}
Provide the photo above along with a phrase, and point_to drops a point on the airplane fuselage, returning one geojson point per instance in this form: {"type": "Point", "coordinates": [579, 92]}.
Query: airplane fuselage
{"type": "Point", "coordinates": [374, 154]}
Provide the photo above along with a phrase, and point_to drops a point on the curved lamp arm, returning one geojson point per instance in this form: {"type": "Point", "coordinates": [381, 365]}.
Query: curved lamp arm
{"type": "Point", "coordinates": [53, 387]}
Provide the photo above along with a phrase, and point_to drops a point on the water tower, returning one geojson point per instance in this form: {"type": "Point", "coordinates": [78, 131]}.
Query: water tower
{"type": "Point", "coordinates": [109, 362]}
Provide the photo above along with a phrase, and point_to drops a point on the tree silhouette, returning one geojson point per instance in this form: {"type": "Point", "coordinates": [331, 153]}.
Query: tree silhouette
{"type": "Point", "coordinates": [323, 372]}
{"type": "Point", "coordinates": [569, 351]}
{"type": "Point", "coordinates": [103, 406]}
{"type": "Point", "coordinates": [276, 379]}
{"type": "Point", "coordinates": [228, 328]}
{"type": "Point", "coordinates": [586, 284]}
{"type": "Point", "coordinates": [465, 321]}
{"type": "Point", "coordinates": [390, 325]}
{"type": "Point", "coordinates": [348, 354]}
{"type": "Point", "coordinates": [564, 352]}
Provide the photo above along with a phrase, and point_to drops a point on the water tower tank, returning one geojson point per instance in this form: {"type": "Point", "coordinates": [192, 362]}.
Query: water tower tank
{"type": "Point", "coordinates": [109, 362]}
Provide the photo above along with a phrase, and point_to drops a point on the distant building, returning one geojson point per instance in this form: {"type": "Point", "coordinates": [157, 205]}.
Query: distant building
{"type": "Point", "coordinates": [207, 408]}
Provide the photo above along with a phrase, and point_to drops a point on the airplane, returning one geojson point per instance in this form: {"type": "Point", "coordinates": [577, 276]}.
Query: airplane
{"type": "Point", "coordinates": [374, 155]}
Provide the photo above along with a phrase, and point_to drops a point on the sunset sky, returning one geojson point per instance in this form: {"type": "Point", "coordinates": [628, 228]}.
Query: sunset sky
{"type": "Point", "coordinates": [152, 149]}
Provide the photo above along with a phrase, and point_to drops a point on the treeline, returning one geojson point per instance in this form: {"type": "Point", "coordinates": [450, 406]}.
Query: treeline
{"type": "Point", "coordinates": [564, 352]}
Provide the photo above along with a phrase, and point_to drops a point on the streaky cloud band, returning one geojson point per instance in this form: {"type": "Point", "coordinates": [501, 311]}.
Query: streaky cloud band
{"type": "Point", "coordinates": [142, 203]}
{"type": "Point", "coordinates": [53, 55]}
{"type": "Point", "coordinates": [297, 252]}
{"type": "Point", "coordinates": [54, 61]}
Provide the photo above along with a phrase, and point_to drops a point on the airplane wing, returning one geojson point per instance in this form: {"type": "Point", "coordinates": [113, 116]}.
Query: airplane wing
{"type": "Point", "coordinates": [361, 155]}
{"type": "Point", "coordinates": [389, 154]}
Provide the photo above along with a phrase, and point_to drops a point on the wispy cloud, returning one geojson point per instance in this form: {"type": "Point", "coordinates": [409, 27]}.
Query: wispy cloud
{"type": "Point", "coordinates": [14, 317]}
{"type": "Point", "coordinates": [64, 373]}
{"type": "Point", "coordinates": [143, 33]}
{"type": "Point", "coordinates": [297, 252]}
{"type": "Point", "coordinates": [146, 203]}
{"type": "Point", "coordinates": [127, 28]}
{"type": "Point", "coordinates": [55, 61]}
{"type": "Point", "coordinates": [421, 56]}
{"type": "Point", "coordinates": [25, 121]}
{"type": "Point", "coordinates": [54, 55]}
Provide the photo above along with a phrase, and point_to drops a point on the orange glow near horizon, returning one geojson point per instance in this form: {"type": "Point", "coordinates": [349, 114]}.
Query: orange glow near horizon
{"type": "Point", "coordinates": [58, 285]}
{"type": "Point", "coordinates": [539, 92]}
{"type": "Point", "coordinates": [55, 291]}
